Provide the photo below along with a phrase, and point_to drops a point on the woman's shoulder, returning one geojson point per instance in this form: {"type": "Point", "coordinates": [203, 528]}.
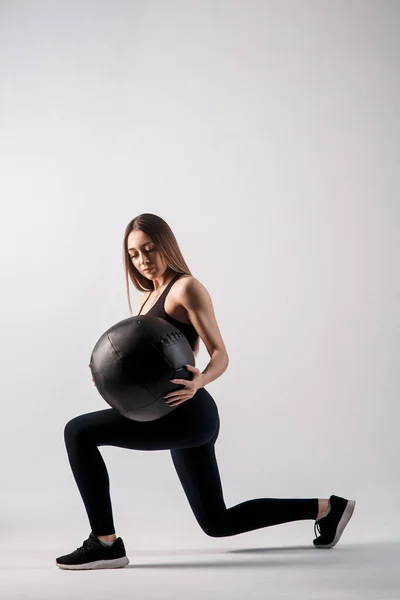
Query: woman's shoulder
{"type": "Point", "coordinates": [185, 278]}
{"type": "Point", "coordinates": [190, 286]}
{"type": "Point", "coordinates": [188, 282]}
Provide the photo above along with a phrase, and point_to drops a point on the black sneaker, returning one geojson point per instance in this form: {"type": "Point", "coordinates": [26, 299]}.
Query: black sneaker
{"type": "Point", "coordinates": [332, 525]}
{"type": "Point", "coordinates": [93, 555]}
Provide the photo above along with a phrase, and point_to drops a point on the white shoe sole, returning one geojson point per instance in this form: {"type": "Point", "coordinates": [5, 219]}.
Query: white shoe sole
{"type": "Point", "coordinates": [346, 516]}
{"type": "Point", "coordinates": [115, 563]}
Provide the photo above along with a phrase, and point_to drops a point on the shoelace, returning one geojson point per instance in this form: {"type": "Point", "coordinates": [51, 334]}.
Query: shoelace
{"type": "Point", "coordinates": [317, 524]}
{"type": "Point", "coordinates": [87, 545]}
{"type": "Point", "coordinates": [317, 529]}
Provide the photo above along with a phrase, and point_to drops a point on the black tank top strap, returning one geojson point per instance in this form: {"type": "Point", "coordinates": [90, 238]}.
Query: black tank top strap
{"type": "Point", "coordinates": [164, 293]}
{"type": "Point", "coordinates": [141, 308]}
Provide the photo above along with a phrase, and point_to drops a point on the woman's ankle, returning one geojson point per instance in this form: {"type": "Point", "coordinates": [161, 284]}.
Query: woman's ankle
{"type": "Point", "coordinates": [107, 538]}
{"type": "Point", "coordinates": [323, 507]}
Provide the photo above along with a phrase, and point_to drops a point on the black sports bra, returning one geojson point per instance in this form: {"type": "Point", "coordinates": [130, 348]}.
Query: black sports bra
{"type": "Point", "coordinates": [158, 310]}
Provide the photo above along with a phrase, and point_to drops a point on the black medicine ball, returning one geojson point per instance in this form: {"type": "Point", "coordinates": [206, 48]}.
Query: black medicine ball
{"type": "Point", "coordinates": [132, 364]}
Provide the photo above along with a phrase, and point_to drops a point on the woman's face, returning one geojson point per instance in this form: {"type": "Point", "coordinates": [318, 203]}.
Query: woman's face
{"type": "Point", "coordinates": [144, 254]}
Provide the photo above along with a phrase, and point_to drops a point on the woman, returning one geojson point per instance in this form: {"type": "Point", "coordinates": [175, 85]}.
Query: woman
{"type": "Point", "coordinates": [154, 263]}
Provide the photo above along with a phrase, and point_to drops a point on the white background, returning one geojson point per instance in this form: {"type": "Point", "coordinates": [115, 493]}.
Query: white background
{"type": "Point", "coordinates": [267, 135]}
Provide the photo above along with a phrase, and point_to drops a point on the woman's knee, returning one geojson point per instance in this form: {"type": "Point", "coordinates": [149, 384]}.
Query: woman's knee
{"type": "Point", "coordinates": [212, 528]}
{"type": "Point", "coordinates": [214, 531]}
{"type": "Point", "coordinates": [75, 428]}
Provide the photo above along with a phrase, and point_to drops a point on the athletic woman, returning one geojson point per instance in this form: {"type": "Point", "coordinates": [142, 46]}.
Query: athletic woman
{"type": "Point", "coordinates": [155, 265]}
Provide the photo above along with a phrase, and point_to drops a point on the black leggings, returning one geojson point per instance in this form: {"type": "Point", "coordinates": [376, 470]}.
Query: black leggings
{"type": "Point", "coordinates": [189, 432]}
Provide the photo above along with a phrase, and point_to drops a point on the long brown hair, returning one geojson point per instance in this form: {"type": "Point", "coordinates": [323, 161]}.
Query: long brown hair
{"type": "Point", "coordinates": [162, 235]}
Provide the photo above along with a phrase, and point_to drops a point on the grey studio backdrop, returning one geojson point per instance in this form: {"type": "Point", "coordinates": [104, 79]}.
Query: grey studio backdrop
{"type": "Point", "coordinates": [267, 135]}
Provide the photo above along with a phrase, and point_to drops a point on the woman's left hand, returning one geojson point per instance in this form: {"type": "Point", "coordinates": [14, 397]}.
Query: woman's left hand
{"type": "Point", "coordinates": [178, 396]}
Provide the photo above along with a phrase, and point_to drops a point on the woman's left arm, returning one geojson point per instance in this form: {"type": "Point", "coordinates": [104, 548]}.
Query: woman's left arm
{"type": "Point", "coordinates": [197, 302]}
